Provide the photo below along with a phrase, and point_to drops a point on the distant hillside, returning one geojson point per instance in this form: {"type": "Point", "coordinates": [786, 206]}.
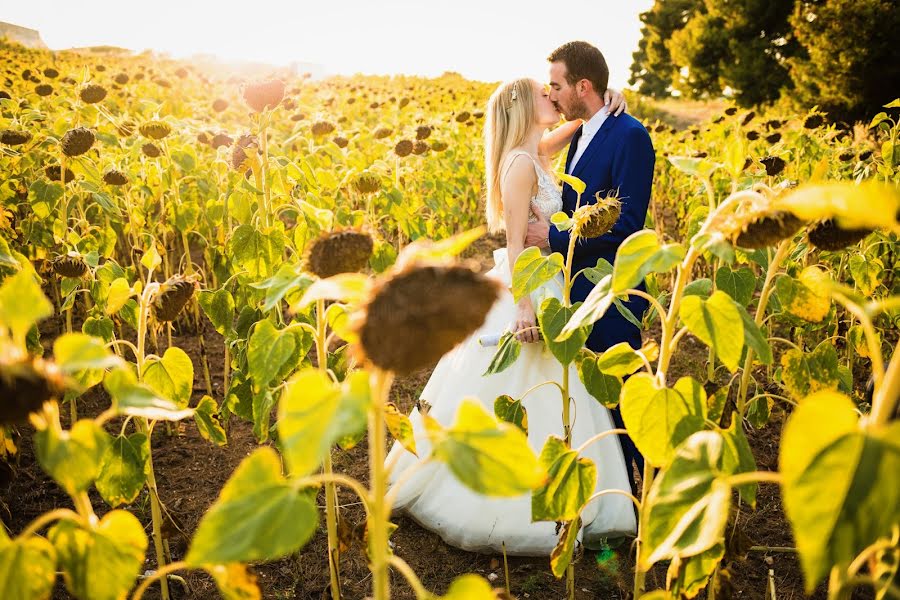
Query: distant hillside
{"type": "Point", "coordinates": [29, 38]}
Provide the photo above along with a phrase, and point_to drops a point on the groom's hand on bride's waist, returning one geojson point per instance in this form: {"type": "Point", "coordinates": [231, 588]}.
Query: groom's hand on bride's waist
{"type": "Point", "coordinates": [538, 233]}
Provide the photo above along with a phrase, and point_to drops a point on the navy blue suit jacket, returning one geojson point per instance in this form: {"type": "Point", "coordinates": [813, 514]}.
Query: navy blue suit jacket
{"type": "Point", "coordinates": [620, 159]}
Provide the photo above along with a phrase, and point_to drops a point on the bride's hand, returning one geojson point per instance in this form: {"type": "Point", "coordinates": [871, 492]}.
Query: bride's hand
{"type": "Point", "coordinates": [614, 99]}
{"type": "Point", "coordinates": [527, 321]}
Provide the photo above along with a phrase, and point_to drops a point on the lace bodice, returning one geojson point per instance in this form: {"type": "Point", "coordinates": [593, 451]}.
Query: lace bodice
{"type": "Point", "coordinates": [548, 198]}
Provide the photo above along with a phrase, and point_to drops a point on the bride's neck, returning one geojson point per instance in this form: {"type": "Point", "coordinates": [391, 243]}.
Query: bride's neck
{"type": "Point", "coordinates": [533, 140]}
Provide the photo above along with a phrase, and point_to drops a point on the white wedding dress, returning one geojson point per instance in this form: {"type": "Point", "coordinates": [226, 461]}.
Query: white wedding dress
{"type": "Point", "coordinates": [465, 519]}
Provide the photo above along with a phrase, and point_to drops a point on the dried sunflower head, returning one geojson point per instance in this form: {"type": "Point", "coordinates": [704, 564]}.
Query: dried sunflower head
{"type": "Point", "coordinates": [422, 132]}
{"type": "Point", "coordinates": [439, 145]}
{"type": "Point", "coordinates": [126, 128]}
{"type": "Point", "coordinates": [172, 297]}
{"type": "Point", "coordinates": [239, 151]}
{"type": "Point", "coordinates": [25, 385]}
{"type": "Point", "coordinates": [219, 104]}
{"type": "Point", "coordinates": [420, 147]}
{"type": "Point", "coordinates": [264, 95]}
{"type": "Point", "coordinates": [420, 312]}
{"type": "Point", "coordinates": [344, 251]}
{"type": "Point", "coordinates": [767, 230]}
{"type": "Point", "coordinates": [813, 121]}
{"type": "Point", "coordinates": [773, 138]}
{"type": "Point", "coordinates": [340, 141]}
{"type": "Point", "coordinates": [594, 220]}
{"type": "Point", "coordinates": [121, 79]}
{"type": "Point", "coordinates": [320, 128]}
{"type": "Point", "coordinates": [151, 150]}
{"type": "Point", "coordinates": [92, 93]}
{"type": "Point", "coordinates": [43, 89]}
{"type": "Point", "coordinates": [77, 141]}
{"type": "Point", "coordinates": [403, 148]}
{"type": "Point", "coordinates": [463, 116]}
{"type": "Point", "coordinates": [53, 173]}
{"type": "Point", "coordinates": [69, 266]}
{"type": "Point", "coordinates": [155, 130]}
{"type": "Point", "coordinates": [14, 137]}
{"type": "Point", "coordinates": [826, 235]}
{"type": "Point", "coordinates": [51, 73]}
{"type": "Point", "coordinates": [382, 132]}
{"type": "Point", "coordinates": [367, 183]}
{"type": "Point", "coordinates": [774, 165]}
{"type": "Point", "coordinates": [115, 177]}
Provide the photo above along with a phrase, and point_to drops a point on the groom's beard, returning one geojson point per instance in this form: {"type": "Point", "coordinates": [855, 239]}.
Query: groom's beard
{"type": "Point", "coordinates": [578, 110]}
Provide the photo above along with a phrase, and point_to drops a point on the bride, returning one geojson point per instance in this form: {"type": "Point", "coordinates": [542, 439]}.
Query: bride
{"type": "Point", "coordinates": [519, 186]}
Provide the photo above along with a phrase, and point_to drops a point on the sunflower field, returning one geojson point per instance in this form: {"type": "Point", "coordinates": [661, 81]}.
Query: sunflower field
{"type": "Point", "coordinates": [220, 298]}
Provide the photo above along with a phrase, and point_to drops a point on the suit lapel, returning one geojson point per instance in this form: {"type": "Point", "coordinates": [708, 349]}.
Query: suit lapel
{"type": "Point", "coordinates": [594, 145]}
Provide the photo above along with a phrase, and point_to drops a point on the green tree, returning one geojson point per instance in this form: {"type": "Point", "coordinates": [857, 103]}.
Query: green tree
{"type": "Point", "coordinates": [652, 69]}
{"type": "Point", "coordinates": [850, 65]}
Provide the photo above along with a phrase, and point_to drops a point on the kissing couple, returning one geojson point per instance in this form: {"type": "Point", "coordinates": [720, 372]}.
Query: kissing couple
{"type": "Point", "coordinates": [609, 151]}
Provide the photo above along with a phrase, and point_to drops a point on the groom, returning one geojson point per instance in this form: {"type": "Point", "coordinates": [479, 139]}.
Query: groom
{"type": "Point", "coordinates": [610, 154]}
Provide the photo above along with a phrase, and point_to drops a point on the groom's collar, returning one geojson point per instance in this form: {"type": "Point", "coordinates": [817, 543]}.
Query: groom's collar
{"type": "Point", "coordinates": [592, 125]}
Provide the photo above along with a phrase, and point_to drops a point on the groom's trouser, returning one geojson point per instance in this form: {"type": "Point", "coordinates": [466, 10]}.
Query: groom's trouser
{"type": "Point", "coordinates": [610, 330]}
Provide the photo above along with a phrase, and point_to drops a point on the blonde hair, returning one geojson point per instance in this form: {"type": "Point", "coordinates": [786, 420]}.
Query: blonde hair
{"type": "Point", "coordinates": [510, 115]}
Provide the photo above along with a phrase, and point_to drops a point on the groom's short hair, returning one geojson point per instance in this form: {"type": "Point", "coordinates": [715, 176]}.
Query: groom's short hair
{"type": "Point", "coordinates": [583, 61]}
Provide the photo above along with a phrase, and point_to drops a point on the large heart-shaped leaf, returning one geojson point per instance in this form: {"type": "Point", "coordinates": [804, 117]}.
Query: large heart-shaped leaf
{"type": "Point", "coordinates": [73, 458]}
{"type": "Point", "coordinates": [314, 412]}
{"type": "Point", "coordinates": [511, 410]}
{"type": "Point", "coordinates": [22, 304]}
{"type": "Point", "coordinates": [102, 562]}
{"type": "Point", "coordinates": [571, 481]}
{"type": "Point", "coordinates": [604, 388]}
{"type": "Point", "coordinates": [659, 419]}
{"type": "Point", "coordinates": [686, 510]}
{"type": "Point", "coordinates": [553, 318]}
{"type": "Point", "coordinates": [219, 307]}
{"type": "Point", "coordinates": [717, 323]}
{"type": "Point", "coordinates": [138, 400]}
{"type": "Point", "coordinates": [532, 270]}
{"type": "Point", "coordinates": [491, 458]}
{"type": "Point", "coordinates": [268, 351]}
{"type": "Point", "coordinates": [259, 515]}
{"type": "Point", "coordinates": [124, 469]}
{"type": "Point", "coordinates": [206, 416]}
{"type": "Point", "coordinates": [619, 360]}
{"type": "Point", "coordinates": [806, 372]}
{"type": "Point", "coordinates": [840, 491]}
{"type": "Point", "coordinates": [641, 254]}
{"type": "Point", "coordinates": [171, 377]}
{"type": "Point", "coordinates": [27, 568]}
{"type": "Point", "coordinates": [737, 283]}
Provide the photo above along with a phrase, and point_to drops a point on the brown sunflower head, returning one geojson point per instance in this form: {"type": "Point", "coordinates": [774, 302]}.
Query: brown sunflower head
{"type": "Point", "coordinates": [340, 141]}
{"type": "Point", "coordinates": [92, 93]}
{"type": "Point", "coordinates": [382, 132]}
{"type": "Point", "coordinates": [25, 384]}
{"type": "Point", "coordinates": [121, 78]}
{"type": "Point", "coordinates": [14, 137]}
{"type": "Point", "coordinates": [126, 128]}
{"type": "Point", "coordinates": [367, 183]}
{"type": "Point", "coordinates": [44, 89]}
{"type": "Point", "coordinates": [115, 177]}
{"type": "Point", "coordinates": [321, 128]}
{"type": "Point", "coordinates": [463, 116]}
{"type": "Point", "coordinates": [155, 130]}
{"type": "Point", "coordinates": [263, 95]}
{"type": "Point", "coordinates": [423, 132]}
{"type": "Point", "coordinates": [403, 148]}
{"type": "Point", "coordinates": [69, 266]}
{"type": "Point", "coordinates": [151, 150]}
{"type": "Point", "coordinates": [172, 297]}
{"type": "Point", "coordinates": [343, 251]}
{"type": "Point", "coordinates": [439, 145]}
{"type": "Point", "coordinates": [239, 150]}
{"type": "Point", "coordinates": [774, 165]}
{"type": "Point", "coordinates": [420, 147]}
{"type": "Point", "coordinates": [219, 104]}
{"type": "Point", "coordinates": [826, 235]}
{"type": "Point", "coordinates": [813, 121]}
{"type": "Point", "coordinates": [767, 229]}
{"type": "Point", "coordinates": [53, 173]}
{"type": "Point", "coordinates": [77, 141]}
{"type": "Point", "coordinates": [420, 312]}
{"type": "Point", "coordinates": [594, 220]}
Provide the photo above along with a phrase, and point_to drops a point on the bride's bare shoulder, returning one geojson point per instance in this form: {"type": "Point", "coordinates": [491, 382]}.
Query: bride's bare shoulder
{"type": "Point", "coordinates": [519, 175]}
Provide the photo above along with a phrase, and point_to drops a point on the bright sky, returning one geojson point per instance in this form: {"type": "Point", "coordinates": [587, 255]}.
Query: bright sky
{"type": "Point", "coordinates": [482, 39]}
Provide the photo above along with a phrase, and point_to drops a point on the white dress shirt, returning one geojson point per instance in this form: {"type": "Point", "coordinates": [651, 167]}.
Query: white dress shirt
{"type": "Point", "coordinates": [588, 130]}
